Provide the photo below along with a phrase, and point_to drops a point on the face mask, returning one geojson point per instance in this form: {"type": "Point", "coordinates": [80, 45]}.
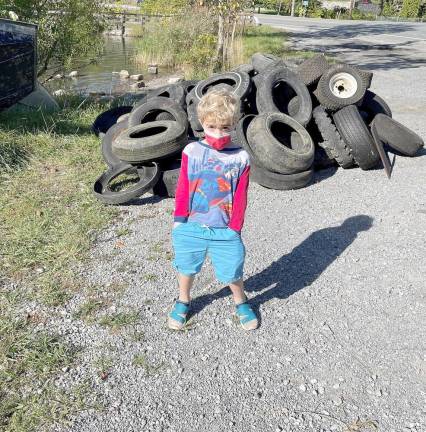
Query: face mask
{"type": "Point", "coordinates": [218, 141]}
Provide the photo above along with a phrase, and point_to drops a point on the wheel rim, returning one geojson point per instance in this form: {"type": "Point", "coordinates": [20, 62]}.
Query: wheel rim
{"type": "Point", "coordinates": [343, 85]}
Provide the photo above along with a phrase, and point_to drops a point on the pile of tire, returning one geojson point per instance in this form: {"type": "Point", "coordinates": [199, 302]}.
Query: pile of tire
{"type": "Point", "coordinates": [293, 119]}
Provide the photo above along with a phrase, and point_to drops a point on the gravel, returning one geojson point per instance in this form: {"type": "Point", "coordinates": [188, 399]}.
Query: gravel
{"type": "Point", "coordinates": [336, 273]}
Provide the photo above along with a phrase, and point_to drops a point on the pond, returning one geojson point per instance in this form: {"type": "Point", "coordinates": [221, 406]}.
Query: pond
{"type": "Point", "coordinates": [118, 54]}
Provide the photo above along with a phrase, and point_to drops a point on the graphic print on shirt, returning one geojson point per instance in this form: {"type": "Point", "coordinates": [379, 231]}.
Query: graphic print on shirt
{"type": "Point", "coordinates": [211, 185]}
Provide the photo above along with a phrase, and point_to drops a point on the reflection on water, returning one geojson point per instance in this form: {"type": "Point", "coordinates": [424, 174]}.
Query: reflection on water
{"type": "Point", "coordinates": [117, 55]}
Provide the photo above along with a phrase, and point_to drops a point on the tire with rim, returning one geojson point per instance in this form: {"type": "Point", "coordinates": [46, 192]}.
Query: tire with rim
{"type": "Point", "coordinates": [150, 141]}
{"type": "Point", "coordinates": [148, 111]}
{"type": "Point", "coordinates": [109, 118]}
{"type": "Point", "coordinates": [280, 143]}
{"type": "Point", "coordinates": [106, 146]}
{"type": "Point", "coordinates": [148, 176]}
{"type": "Point", "coordinates": [357, 137]}
{"type": "Point", "coordinates": [341, 85]}
{"type": "Point", "coordinates": [397, 136]}
{"type": "Point", "coordinates": [273, 180]}
{"type": "Point", "coordinates": [311, 70]}
{"type": "Point", "coordinates": [283, 81]}
{"type": "Point", "coordinates": [332, 142]}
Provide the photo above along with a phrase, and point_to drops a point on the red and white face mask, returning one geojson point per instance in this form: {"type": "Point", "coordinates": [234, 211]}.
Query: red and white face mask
{"type": "Point", "coordinates": [218, 141]}
{"type": "Point", "coordinates": [217, 138]}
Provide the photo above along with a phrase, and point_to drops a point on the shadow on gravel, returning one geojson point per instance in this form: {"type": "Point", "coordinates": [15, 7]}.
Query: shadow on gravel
{"type": "Point", "coordinates": [298, 269]}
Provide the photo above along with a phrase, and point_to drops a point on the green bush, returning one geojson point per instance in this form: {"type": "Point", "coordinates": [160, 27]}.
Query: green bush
{"type": "Point", "coordinates": [410, 8]}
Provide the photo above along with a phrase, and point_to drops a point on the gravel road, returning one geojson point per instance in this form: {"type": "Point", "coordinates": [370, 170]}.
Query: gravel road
{"type": "Point", "coordinates": [337, 274]}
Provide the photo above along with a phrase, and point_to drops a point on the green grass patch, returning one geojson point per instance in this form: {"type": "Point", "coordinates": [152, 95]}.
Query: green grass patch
{"type": "Point", "coordinates": [119, 320]}
{"type": "Point", "coordinates": [48, 221]}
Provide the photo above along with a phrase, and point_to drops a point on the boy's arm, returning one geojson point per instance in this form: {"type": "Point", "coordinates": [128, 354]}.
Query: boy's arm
{"type": "Point", "coordinates": [240, 201]}
{"type": "Point", "coordinates": [182, 192]}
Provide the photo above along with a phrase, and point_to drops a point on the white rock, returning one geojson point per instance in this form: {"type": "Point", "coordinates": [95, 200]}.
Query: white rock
{"type": "Point", "coordinates": [174, 80]}
{"type": "Point", "coordinates": [136, 77]}
{"type": "Point", "coordinates": [13, 16]}
{"type": "Point", "coordinates": [302, 387]}
{"type": "Point", "coordinates": [124, 73]}
{"type": "Point", "coordinates": [58, 76]}
{"type": "Point", "coordinates": [73, 74]}
{"type": "Point", "coordinates": [60, 92]}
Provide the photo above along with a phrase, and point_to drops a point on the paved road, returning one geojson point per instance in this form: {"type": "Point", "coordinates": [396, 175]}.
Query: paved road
{"type": "Point", "coordinates": [394, 51]}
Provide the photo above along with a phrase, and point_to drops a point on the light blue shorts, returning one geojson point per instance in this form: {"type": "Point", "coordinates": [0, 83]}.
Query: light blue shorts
{"type": "Point", "coordinates": [193, 241]}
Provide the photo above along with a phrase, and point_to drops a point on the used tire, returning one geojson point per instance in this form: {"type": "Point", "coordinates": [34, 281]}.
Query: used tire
{"type": "Point", "coordinates": [311, 70]}
{"type": "Point", "coordinates": [150, 141]}
{"type": "Point", "coordinates": [272, 180]}
{"type": "Point", "coordinates": [148, 111]}
{"type": "Point", "coordinates": [397, 136]}
{"type": "Point", "coordinates": [172, 91]}
{"type": "Point", "coordinates": [373, 104]}
{"type": "Point", "coordinates": [357, 137]}
{"type": "Point", "coordinates": [280, 143]}
{"type": "Point", "coordinates": [148, 176]}
{"type": "Point", "coordinates": [109, 118]}
{"type": "Point", "coordinates": [260, 61]}
{"type": "Point", "coordinates": [332, 142]}
{"type": "Point", "coordinates": [167, 182]}
{"type": "Point", "coordinates": [239, 81]}
{"type": "Point", "coordinates": [106, 146]}
{"type": "Point", "coordinates": [191, 109]}
{"type": "Point", "coordinates": [341, 85]}
{"type": "Point", "coordinates": [283, 81]}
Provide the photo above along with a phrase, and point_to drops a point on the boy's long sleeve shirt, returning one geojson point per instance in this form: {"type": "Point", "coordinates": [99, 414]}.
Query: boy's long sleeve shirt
{"type": "Point", "coordinates": [212, 186]}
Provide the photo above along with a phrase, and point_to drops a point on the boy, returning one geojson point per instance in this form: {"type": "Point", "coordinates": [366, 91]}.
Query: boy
{"type": "Point", "coordinates": [211, 198]}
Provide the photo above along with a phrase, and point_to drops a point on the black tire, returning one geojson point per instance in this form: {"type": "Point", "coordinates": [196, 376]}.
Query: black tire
{"type": "Point", "coordinates": [191, 109]}
{"type": "Point", "coordinates": [373, 104]}
{"type": "Point", "coordinates": [167, 182]}
{"type": "Point", "coordinates": [164, 116]}
{"type": "Point", "coordinates": [280, 143]}
{"type": "Point", "coordinates": [188, 85]}
{"type": "Point", "coordinates": [106, 146]}
{"type": "Point", "coordinates": [272, 180]}
{"type": "Point", "coordinates": [109, 118]}
{"type": "Point", "coordinates": [148, 111]}
{"type": "Point", "coordinates": [239, 136]}
{"type": "Point", "coordinates": [148, 176]}
{"type": "Point", "coordinates": [246, 68]}
{"type": "Point", "coordinates": [341, 85]}
{"type": "Point", "coordinates": [397, 136]}
{"type": "Point", "coordinates": [322, 160]}
{"type": "Point", "coordinates": [240, 82]}
{"type": "Point", "coordinates": [175, 92]}
{"type": "Point", "coordinates": [366, 76]}
{"type": "Point", "coordinates": [267, 95]}
{"type": "Point", "coordinates": [261, 61]}
{"type": "Point", "coordinates": [311, 70]}
{"type": "Point", "coordinates": [357, 137]}
{"type": "Point", "coordinates": [332, 142]}
{"type": "Point", "coordinates": [150, 141]}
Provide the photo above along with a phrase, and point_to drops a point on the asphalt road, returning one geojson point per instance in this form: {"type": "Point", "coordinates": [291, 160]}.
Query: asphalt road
{"type": "Point", "coordinates": [394, 51]}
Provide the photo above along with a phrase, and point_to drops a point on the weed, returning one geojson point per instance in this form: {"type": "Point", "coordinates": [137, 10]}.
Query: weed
{"type": "Point", "coordinates": [140, 360]}
{"type": "Point", "coordinates": [119, 320]}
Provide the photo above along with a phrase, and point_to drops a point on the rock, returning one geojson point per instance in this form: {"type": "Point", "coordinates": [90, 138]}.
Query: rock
{"type": "Point", "coordinates": [60, 92]}
{"type": "Point", "coordinates": [174, 80]}
{"type": "Point", "coordinates": [58, 76]}
{"type": "Point", "coordinates": [137, 77]}
{"type": "Point", "coordinates": [13, 16]}
{"type": "Point", "coordinates": [153, 69]}
{"type": "Point", "coordinates": [124, 74]}
{"type": "Point", "coordinates": [302, 387]}
{"type": "Point", "coordinates": [138, 85]}
{"type": "Point", "coordinates": [73, 74]}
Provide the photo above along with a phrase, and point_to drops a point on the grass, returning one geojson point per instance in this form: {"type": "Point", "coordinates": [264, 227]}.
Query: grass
{"type": "Point", "coordinates": [116, 321]}
{"type": "Point", "coordinates": [48, 221]}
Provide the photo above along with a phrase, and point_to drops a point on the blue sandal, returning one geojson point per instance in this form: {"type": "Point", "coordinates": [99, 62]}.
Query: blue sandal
{"type": "Point", "coordinates": [177, 315]}
{"type": "Point", "coordinates": [246, 316]}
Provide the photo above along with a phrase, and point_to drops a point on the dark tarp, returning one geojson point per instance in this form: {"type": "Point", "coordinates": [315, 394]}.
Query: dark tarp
{"type": "Point", "coordinates": [18, 49]}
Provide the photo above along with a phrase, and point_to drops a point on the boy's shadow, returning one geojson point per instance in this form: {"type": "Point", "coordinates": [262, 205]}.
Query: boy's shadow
{"type": "Point", "coordinates": [298, 269]}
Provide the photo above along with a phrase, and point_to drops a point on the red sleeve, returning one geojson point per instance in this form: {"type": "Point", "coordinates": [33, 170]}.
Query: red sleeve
{"type": "Point", "coordinates": [240, 201]}
{"type": "Point", "coordinates": [182, 192]}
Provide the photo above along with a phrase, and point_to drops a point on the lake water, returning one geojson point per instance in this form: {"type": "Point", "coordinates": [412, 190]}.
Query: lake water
{"type": "Point", "coordinates": [117, 55]}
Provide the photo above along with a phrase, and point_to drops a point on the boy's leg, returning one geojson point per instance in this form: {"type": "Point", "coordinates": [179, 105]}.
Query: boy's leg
{"type": "Point", "coordinates": [237, 289]}
{"type": "Point", "coordinates": [185, 285]}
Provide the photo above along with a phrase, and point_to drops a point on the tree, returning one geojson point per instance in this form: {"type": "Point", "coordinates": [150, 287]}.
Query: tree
{"type": "Point", "coordinates": [68, 30]}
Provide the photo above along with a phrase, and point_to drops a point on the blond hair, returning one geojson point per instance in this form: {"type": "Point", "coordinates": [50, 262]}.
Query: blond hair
{"type": "Point", "coordinates": [219, 107]}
